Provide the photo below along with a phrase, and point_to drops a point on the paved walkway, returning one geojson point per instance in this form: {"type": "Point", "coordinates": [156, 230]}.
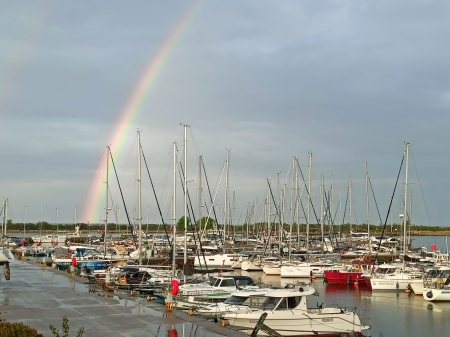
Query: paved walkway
{"type": "Point", "coordinates": [41, 297]}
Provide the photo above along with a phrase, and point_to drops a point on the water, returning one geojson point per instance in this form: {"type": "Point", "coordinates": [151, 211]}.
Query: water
{"type": "Point", "coordinates": [390, 313]}
{"type": "Point", "coordinates": [427, 241]}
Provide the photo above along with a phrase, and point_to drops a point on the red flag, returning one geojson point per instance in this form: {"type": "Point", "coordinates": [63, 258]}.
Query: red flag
{"type": "Point", "coordinates": [433, 246]}
{"type": "Point", "coordinates": [171, 229]}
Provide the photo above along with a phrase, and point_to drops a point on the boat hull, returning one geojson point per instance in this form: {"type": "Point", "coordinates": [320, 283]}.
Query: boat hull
{"type": "Point", "coordinates": [294, 323]}
{"type": "Point", "coordinates": [430, 294]}
{"type": "Point", "coordinates": [340, 277]}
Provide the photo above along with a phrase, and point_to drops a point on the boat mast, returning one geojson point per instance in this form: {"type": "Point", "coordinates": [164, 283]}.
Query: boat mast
{"type": "Point", "coordinates": [57, 238]}
{"type": "Point", "coordinates": [174, 210]}
{"type": "Point", "coordinates": [226, 196]}
{"type": "Point", "coordinates": [292, 206]}
{"type": "Point", "coordinates": [350, 204]}
{"type": "Point", "coordinates": [5, 203]}
{"type": "Point", "coordinates": [309, 202]}
{"type": "Point", "coordinates": [40, 225]}
{"type": "Point", "coordinates": [322, 209]}
{"type": "Point", "coordinates": [405, 203]}
{"type": "Point", "coordinates": [24, 219]}
{"type": "Point", "coordinates": [185, 203]}
{"type": "Point", "coordinates": [367, 208]}
{"type": "Point", "coordinates": [106, 200]}
{"type": "Point", "coordinates": [200, 190]}
{"type": "Point", "coordinates": [139, 216]}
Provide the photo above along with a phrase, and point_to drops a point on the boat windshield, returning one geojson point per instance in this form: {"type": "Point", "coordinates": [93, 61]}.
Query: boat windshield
{"type": "Point", "coordinates": [270, 303]}
{"type": "Point", "coordinates": [235, 300]}
{"type": "Point", "coordinates": [213, 281]}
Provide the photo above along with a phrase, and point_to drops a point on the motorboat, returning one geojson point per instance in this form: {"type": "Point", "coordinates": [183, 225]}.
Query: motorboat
{"type": "Point", "coordinates": [288, 315]}
{"type": "Point", "coordinates": [248, 298]}
{"type": "Point", "coordinates": [218, 289]}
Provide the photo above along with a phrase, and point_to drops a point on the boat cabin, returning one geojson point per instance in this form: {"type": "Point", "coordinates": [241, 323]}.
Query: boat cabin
{"type": "Point", "coordinates": [287, 299]}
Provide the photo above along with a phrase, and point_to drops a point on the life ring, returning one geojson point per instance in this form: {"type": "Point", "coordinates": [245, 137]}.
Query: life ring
{"type": "Point", "coordinates": [174, 287]}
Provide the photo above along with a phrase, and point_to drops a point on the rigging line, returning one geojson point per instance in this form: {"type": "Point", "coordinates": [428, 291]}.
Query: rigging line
{"type": "Point", "coordinates": [167, 199]}
{"type": "Point", "coordinates": [389, 209]}
{"type": "Point", "coordinates": [121, 193]}
{"type": "Point", "coordinates": [375, 200]}
{"type": "Point", "coordinates": [306, 187]}
{"type": "Point", "coordinates": [420, 187]}
{"type": "Point", "coordinates": [156, 198]}
{"type": "Point", "coordinates": [181, 173]}
{"type": "Point", "coordinates": [210, 196]}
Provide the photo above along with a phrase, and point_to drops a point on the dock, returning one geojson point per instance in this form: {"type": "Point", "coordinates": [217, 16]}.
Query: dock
{"type": "Point", "coordinates": [39, 296]}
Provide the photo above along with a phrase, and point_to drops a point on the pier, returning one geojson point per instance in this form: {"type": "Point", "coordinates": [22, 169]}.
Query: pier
{"type": "Point", "coordinates": [40, 296]}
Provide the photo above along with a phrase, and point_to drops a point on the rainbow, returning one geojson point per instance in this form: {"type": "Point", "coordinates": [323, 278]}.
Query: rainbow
{"type": "Point", "coordinates": [129, 114]}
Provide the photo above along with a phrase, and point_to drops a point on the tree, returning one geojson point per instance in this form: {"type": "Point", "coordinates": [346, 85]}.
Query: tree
{"type": "Point", "coordinates": [201, 223]}
{"type": "Point", "coordinates": [180, 224]}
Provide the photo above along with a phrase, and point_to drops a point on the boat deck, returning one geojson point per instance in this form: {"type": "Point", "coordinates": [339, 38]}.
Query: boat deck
{"type": "Point", "coordinates": [40, 296]}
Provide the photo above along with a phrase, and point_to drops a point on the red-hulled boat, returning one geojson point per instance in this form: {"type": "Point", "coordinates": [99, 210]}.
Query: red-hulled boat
{"type": "Point", "coordinates": [352, 274]}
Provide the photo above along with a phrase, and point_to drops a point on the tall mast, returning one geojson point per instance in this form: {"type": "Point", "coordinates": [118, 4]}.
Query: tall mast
{"type": "Point", "coordinates": [139, 215]}
{"type": "Point", "coordinates": [57, 225]}
{"type": "Point", "coordinates": [5, 216]}
{"type": "Point", "coordinates": [268, 214]}
{"type": "Point", "coordinates": [40, 225]}
{"type": "Point", "coordinates": [200, 190]}
{"type": "Point", "coordinates": [367, 207]}
{"type": "Point", "coordinates": [309, 202]}
{"type": "Point", "coordinates": [226, 196]}
{"type": "Point", "coordinates": [350, 202]}
{"type": "Point", "coordinates": [185, 201]}
{"type": "Point", "coordinates": [292, 206]}
{"type": "Point", "coordinates": [322, 209]}
{"type": "Point", "coordinates": [174, 209]}
{"type": "Point", "coordinates": [24, 219]}
{"type": "Point", "coordinates": [405, 200]}
{"type": "Point", "coordinates": [106, 198]}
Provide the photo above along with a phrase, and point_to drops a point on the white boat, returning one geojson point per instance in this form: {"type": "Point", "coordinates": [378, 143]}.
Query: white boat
{"type": "Point", "coordinates": [249, 298]}
{"type": "Point", "coordinates": [288, 314]}
{"type": "Point", "coordinates": [217, 290]}
{"type": "Point", "coordinates": [306, 269]}
{"type": "Point", "coordinates": [393, 277]}
{"type": "Point", "coordinates": [252, 264]}
{"type": "Point", "coordinates": [430, 279]}
{"type": "Point", "coordinates": [217, 260]}
{"type": "Point", "coordinates": [441, 292]}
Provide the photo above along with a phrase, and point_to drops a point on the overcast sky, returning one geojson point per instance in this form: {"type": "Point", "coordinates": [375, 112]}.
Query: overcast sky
{"type": "Point", "coordinates": [348, 81]}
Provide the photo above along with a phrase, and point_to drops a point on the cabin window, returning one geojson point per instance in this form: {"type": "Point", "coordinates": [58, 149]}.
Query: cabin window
{"type": "Point", "coordinates": [293, 302]}
{"type": "Point", "coordinates": [282, 305]}
{"type": "Point", "coordinates": [235, 300]}
{"type": "Point", "coordinates": [270, 303]}
{"type": "Point", "coordinates": [242, 283]}
{"type": "Point", "coordinates": [227, 283]}
{"type": "Point", "coordinates": [213, 281]}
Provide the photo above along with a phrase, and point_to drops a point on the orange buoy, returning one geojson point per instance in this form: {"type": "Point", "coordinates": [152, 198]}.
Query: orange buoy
{"type": "Point", "coordinates": [356, 283]}
{"type": "Point", "coordinates": [174, 287]}
{"type": "Point", "coordinates": [313, 277]}
{"type": "Point", "coordinates": [408, 291]}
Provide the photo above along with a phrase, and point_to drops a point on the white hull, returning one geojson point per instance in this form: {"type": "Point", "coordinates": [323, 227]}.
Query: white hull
{"type": "Point", "coordinates": [251, 265]}
{"type": "Point", "coordinates": [292, 323]}
{"type": "Point", "coordinates": [392, 284]}
{"type": "Point", "coordinates": [430, 294]}
{"type": "Point", "coordinates": [296, 271]}
{"type": "Point", "coordinates": [417, 288]}
{"type": "Point", "coordinates": [216, 260]}
{"type": "Point", "coordinates": [272, 270]}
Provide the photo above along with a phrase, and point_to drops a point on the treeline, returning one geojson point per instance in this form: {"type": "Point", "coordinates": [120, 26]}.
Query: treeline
{"type": "Point", "coordinates": [251, 228]}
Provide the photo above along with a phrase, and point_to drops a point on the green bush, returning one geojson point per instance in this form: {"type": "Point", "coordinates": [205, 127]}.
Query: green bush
{"type": "Point", "coordinates": [17, 330]}
{"type": "Point", "coordinates": [65, 326]}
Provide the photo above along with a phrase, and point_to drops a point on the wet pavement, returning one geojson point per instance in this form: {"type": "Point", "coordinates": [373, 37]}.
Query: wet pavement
{"type": "Point", "coordinates": [40, 297]}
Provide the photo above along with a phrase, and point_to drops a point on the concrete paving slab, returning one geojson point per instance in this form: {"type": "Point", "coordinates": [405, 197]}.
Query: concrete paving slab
{"type": "Point", "coordinates": [40, 297]}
